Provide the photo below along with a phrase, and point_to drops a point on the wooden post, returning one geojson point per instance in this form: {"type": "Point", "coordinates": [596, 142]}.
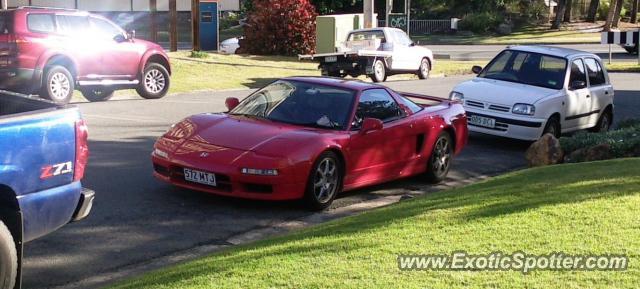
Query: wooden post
{"type": "Point", "coordinates": [388, 10]}
{"type": "Point", "coordinates": [173, 25]}
{"type": "Point", "coordinates": [153, 24]}
{"type": "Point", "coordinates": [4, 4]}
{"type": "Point", "coordinates": [368, 14]}
{"type": "Point", "coordinates": [407, 5]}
{"type": "Point", "coordinates": [195, 25]}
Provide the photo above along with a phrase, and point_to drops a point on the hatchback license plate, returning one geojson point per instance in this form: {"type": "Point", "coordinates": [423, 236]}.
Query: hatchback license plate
{"type": "Point", "coordinates": [200, 177]}
{"type": "Point", "coordinates": [331, 59]}
{"type": "Point", "coordinates": [482, 121]}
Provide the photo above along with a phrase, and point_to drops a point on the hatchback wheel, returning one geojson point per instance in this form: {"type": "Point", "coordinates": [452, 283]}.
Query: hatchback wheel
{"type": "Point", "coordinates": [425, 69]}
{"type": "Point", "coordinates": [58, 85]}
{"type": "Point", "coordinates": [155, 82]}
{"type": "Point", "coordinates": [604, 122]}
{"type": "Point", "coordinates": [552, 127]}
{"type": "Point", "coordinates": [325, 181]}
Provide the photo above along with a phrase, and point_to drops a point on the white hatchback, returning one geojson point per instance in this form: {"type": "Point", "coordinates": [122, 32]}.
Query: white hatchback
{"type": "Point", "coordinates": [528, 91]}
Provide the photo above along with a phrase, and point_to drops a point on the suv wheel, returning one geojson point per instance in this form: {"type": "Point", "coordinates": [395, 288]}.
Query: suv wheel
{"type": "Point", "coordinates": [94, 94]}
{"type": "Point", "coordinates": [8, 259]}
{"type": "Point", "coordinates": [58, 84]}
{"type": "Point", "coordinates": [155, 82]}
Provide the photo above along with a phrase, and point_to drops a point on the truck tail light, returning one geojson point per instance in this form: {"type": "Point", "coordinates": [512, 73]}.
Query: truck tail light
{"type": "Point", "coordinates": [82, 149]}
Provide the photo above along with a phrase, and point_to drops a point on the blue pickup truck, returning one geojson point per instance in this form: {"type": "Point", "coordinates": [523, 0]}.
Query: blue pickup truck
{"type": "Point", "coordinates": [43, 155]}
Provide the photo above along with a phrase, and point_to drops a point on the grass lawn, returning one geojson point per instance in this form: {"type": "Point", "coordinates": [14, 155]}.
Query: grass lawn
{"type": "Point", "coordinates": [623, 67]}
{"type": "Point", "coordinates": [524, 36]}
{"type": "Point", "coordinates": [575, 209]}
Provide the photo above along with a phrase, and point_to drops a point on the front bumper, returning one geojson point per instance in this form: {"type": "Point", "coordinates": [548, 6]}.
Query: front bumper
{"type": "Point", "coordinates": [516, 127]}
{"type": "Point", "coordinates": [84, 205]}
{"type": "Point", "coordinates": [289, 184]}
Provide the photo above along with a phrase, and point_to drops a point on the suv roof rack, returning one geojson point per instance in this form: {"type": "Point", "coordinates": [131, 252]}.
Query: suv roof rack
{"type": "Point", "coordinates": [47, 8]}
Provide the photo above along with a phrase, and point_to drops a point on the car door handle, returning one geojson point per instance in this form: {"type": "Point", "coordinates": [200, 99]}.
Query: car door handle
{"type": "Point", "coordinates": [606, 92]}
{"type": "Point", "coordinates": [588, 96]}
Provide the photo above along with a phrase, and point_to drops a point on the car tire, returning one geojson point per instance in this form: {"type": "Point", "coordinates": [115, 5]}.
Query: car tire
{"type": "Point", "coordinates": [604, 122]}
{"type": "Point", "coordinates": [632, 50]}
{"type": "Point", "coordinates": [379, 71]}
{"type": "Point", "coordinates": [425, 69]}
{"type": "Point", "coordinates": [325, 181]}
{"type": "Point", "coordinates": [95, 94]}
{"type": "Point", "coordinates": [155, 82]}
{"type": "Point", "coordinates": [58, 84]}
{"type": "Point", "coordinates": [440, 159]}
{"type": "Point", "coordinates": [553, 127]}
{"type": "Point", "coordinates": [8, 258]}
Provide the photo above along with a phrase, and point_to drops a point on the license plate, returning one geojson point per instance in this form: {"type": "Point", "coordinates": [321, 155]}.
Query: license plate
{"type": "Point", "coordinates": [200, 177]}
{"type": "Point", "coordinates": [482, 121]}
{"type": "Point", "coordinates": [331, 59]}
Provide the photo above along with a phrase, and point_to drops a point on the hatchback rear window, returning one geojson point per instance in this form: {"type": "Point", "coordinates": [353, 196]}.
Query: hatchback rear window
{"type": "Point", "coordinates": [41, 23]}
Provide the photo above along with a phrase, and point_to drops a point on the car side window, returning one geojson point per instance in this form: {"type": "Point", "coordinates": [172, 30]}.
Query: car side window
{"type": "Point", "coordinates": [72, 25]}
{"type": "Point", "coordinates": [596, 74]}
{"type": "Point", "coordinates": [577, 72]}
{"type": "Point", "coordinates": [41, 23]}
{"type": "Point", "coordinates": [105, 29]}
{"type": "Point", "coordinates": [376, 103]}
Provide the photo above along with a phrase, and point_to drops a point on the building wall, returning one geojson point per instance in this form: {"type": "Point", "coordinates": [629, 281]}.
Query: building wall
{"type": "Point", "coordinates": [119, 5]}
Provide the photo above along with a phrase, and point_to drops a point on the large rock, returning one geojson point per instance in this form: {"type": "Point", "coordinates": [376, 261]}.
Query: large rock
{"type": "Point", "coordinates": [598, 153]}
{"type": "Point", "coordinates": [545, 151]}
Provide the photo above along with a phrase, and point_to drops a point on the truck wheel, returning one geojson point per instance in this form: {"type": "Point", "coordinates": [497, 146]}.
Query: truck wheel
{"type": "Point", "coordinates": [425, 69]}
{"type": "Point", "coordinates": [58, 84]}
{"type": "Point", "coordinates": [155, 82]}
{"type": "Point", "coordinates": [379, 72]}
{"type": "Point", "coordinates": [440, 160]}
{"type": "Point", "coordinates": [94, 94]}
{"type": "Point", "coordinates": [8, 258]}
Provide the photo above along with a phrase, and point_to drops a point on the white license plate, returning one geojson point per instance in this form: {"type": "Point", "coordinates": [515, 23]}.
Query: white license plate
{"type": "Point", "coordinates": [200, 177]}
{"type": "Point", "coordinates": [482, 121]}
{"type": "Point", "coordinates": [331, 59]}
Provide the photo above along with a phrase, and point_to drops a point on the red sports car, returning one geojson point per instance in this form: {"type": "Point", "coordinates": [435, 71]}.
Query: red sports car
{"type": "Point", "coordinates": [311, 138]}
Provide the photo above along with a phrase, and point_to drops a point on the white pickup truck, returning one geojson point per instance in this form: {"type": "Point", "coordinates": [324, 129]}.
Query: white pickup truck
{"type": "Point", "coordinates": [528, 91]}
{"type": "Point", "coordinates": [377, 53]}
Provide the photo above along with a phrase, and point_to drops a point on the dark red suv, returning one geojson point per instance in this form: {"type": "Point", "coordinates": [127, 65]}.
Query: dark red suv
{"type": "Point", "coordinates": [51, 52]}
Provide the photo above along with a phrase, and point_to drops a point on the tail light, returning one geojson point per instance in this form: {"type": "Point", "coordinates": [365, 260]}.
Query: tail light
{"type": "Point", "coordinates": [82, 149]}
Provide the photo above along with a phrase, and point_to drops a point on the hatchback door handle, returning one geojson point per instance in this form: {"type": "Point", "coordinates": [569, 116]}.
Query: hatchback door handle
{"type": "Point", "coordinates": [588, 96]}
{"type": "Point", "coordinates": [606, 92]}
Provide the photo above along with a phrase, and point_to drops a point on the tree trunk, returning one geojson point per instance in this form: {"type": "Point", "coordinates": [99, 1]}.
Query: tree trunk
{"type": "Point", "coordinates": [562, 4]}
{"type": "Point", "coordinates": [567, 11]}
{"type": "Point", "coordinates": [612, 10]}
{"type": "Point", "coordinates": [634, 11]}
{"type": "Point", "coordinates": [616, 16]}
{"type": "Point", "coordinates": [593, 10]}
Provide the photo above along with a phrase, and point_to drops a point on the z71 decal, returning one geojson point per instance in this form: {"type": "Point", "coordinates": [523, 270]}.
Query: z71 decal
{"type": "Point", "coordinates": [56, 170]}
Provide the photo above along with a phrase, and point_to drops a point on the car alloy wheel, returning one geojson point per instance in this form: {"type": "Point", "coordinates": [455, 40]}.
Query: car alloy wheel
{"type": "Point", "coordinates": [59, 86]}
{"type": "Point", "coordinates": [425, 68]}
{"type": "Point", "coordinates": [325, 181]}
{"type": "Point", "coordinates": [441, 156]}
{"type": "Point", "coordinates": [154, 81]}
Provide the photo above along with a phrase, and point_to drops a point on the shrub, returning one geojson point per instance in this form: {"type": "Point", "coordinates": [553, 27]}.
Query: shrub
{"type": "Point", "coordinates": [280, 27]}
{"type": "Point", "coordinates": [629, 122]}
{"type": "Point", "coordinates": [624, 142]}
{"type": "Point", "coordinates": [199, 54]}
{"type": "Point", "coordinates": [481, 22]}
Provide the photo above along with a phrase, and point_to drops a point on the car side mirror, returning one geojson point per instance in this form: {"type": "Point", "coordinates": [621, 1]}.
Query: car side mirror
{"type": "Point", "coordinates": [476, 69]}
{"type": "Point", "coordinates": [120, 38]}
{"type": "Point", "coordinates": [231, 103]}
{"type": "Point", "coordinates": [370, 124]}
{"type": "Point", "coordinates": [131, 34]}
{"type": "Point", "coordinates": [577, 84]}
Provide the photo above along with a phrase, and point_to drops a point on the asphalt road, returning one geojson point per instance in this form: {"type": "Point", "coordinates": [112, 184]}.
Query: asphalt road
{"type": "Point", "coordinates": [136, 218]}
{"type": "Point", "coordinates": [487, 52]}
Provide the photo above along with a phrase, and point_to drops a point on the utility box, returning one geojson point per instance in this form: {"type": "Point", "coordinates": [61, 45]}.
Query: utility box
{"type": "Point", "coordinates": [208, 24]}
{"type": "Point", "coordinates": [332, 30]}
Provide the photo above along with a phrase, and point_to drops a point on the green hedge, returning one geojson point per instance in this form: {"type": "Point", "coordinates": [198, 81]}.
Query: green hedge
{"type": "Point", "coordinates": [482, 22]}
{"type": "Point", "coordinates": [624, 141]}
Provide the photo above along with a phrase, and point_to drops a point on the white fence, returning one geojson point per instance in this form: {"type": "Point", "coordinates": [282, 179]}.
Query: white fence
{"type": "Point", "coordinates": [429, 26]}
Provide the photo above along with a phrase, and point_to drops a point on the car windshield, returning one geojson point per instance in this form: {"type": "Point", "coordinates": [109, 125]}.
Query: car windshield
{"type": "Point", "coordinates": [299, 103]}
{"type": "Point", "coordinates": [527, 68]}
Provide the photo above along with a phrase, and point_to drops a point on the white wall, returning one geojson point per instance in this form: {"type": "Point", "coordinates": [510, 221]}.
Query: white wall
{"type": "Point", "coordinates": [120, 5]}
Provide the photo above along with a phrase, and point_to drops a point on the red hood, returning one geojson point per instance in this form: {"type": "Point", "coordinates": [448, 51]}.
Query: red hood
{"type": "Point", "coordinates": [242, 133]}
